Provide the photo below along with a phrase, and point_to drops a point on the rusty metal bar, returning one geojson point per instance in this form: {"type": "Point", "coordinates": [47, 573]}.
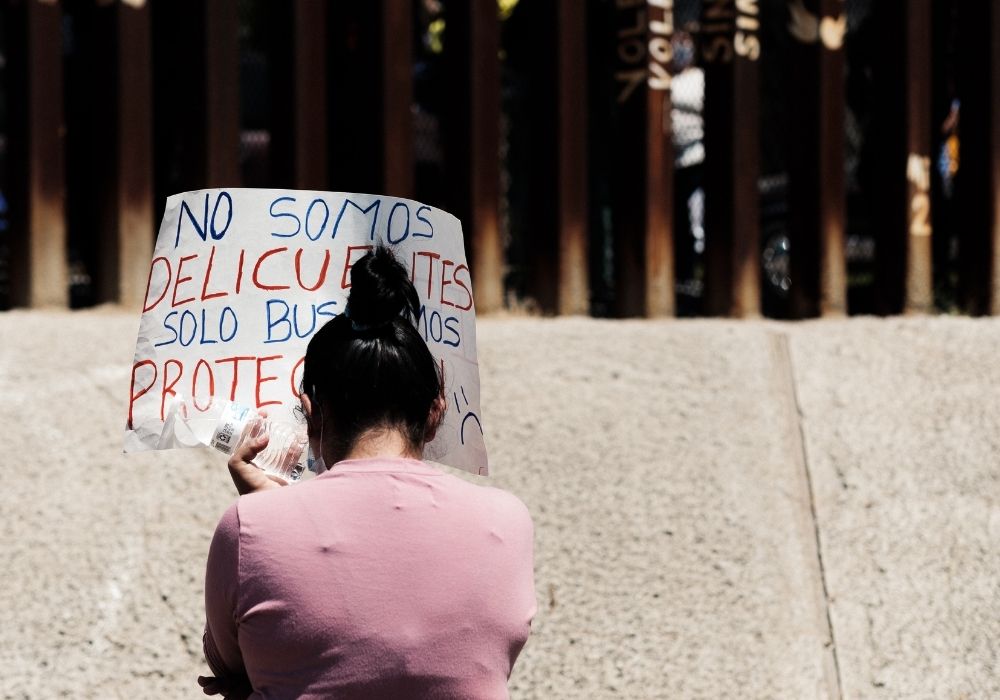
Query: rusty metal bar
{"type": "Point", "coordinates": [917, 79]}
{"type": "Point", "coordinates": [816, 196]}
{"type": "Point", "coordinates": [642, 177]}
{"type": "Point", "coordinates": [472, 141]}
{"type": "Point", "coordinates": [132, 224]}
{"type": "Point", "coordinates": [659, 191]}
{"type": "Point", "coordinates": [831, 174]}
{"type": "Point", "coordinates": [484, 165]}
{"type": "Point", "coordinates": [993, 153]}
{"type": "Point", "coordinates": [38, 269]}
{"type": "Point", "coordinates": [397, 97]}
{"type": "Point", "coordinates": [732, 145]}
{"type": "Point", "coordinates": [571, 136]}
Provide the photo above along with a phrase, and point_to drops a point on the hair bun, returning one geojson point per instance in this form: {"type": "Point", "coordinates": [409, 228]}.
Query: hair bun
{"type": "Point", "coordinates": [381, 291]}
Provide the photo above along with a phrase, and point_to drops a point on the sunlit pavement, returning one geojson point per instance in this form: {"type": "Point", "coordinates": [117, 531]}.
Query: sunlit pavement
{"type": "Point", "coordinates": [722, 509]}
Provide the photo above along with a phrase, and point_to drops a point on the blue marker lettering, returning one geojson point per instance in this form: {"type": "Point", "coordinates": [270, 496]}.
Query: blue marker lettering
{"type": "Point", "coordinates": [284, 214]}
{"type": "Point", "coordinates": [429, 233]}
{"type": "Point", "coordinates": [272, 323]}
{"type": "Point", "coordinates": [326, 218]}
{"type": "Point", "coordinates": [406, 230]}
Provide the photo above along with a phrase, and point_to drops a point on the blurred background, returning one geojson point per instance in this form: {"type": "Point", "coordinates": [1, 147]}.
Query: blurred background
{"type": "Point", "coordinates": [785, 158]}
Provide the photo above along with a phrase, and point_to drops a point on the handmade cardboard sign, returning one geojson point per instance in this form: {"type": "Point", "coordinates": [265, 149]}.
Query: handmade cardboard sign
{"type": "Point", "coordinates": [241, 279]}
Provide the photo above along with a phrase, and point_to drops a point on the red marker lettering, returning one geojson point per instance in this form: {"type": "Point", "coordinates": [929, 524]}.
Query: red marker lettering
{"type": "Point", "coordinates": [181, 280]}
{"type": "Point", "coordinates": [431, 257]}
{"type": "Point", "coordinates": [133, 397]}
{"type": "Point", "coordinates": [461, 284]}
{"type": "Point", "coordinates": [149, 306]}
{"type": "Point", "coordinates": [264, 380]}
{"type": "Point", "coordinates": [239, 271]}
{"type": "Point", "coordinates": [205, 296]}
{"type": "Point", "coordinates": [256, 270]}
{"type": "Point", "coordinates": [445, 264]}
{"type": "Point", "coordinates": [169, 384]}
{"type": "Point", "coordinates": [194, 384]}
{"type": "Point", "coordinates": [296, 386]}
{"type": "Point", "coordinates": [236, 371]}
{"type": "Point", "coordinates": [322, 272]}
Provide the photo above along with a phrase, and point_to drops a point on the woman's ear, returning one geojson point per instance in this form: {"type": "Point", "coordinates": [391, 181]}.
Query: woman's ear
{"type": "Point", "coordinates": [435, 417]}
{"type": "Point", "coordinates": [307, 411]}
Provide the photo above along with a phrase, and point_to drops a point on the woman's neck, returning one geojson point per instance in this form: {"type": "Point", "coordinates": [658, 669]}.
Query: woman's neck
{"type": "Point", "coordinates": [388, 444]}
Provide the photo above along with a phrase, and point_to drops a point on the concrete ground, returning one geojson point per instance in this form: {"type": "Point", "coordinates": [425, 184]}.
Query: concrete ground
{"type": "Point", "coordinates": [723, 509]}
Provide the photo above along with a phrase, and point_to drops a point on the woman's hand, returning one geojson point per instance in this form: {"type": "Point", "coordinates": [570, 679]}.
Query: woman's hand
{"type": "Point", "coordinates": [247, 476]}
{"type": "Point", "coordinates": [229, 688]}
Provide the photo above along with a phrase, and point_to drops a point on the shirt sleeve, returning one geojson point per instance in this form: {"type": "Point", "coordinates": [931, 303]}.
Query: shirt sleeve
{"type": "Point", "coordinates": [222, 651]}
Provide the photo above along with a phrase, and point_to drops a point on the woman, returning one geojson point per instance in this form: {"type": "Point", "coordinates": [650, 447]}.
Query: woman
{"type": "Point", "coordinates": [383, 577]}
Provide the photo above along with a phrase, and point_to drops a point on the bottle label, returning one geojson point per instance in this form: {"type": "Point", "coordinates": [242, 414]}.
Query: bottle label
{"type": "Point", "coordinates": [230, 427]}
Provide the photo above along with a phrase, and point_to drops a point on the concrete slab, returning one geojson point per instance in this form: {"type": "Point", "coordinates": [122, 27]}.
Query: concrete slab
{"type": "Point", "coordinates": [902, 425]}
{"type": "Point", "coordinates": [662, 461]}
{"type": "Point", "coordinates": [674, 556]}
{"type": "Point", "coordinates": [103, 554]}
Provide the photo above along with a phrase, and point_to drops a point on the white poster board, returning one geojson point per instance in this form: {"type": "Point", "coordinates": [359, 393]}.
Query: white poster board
{"type": "Point", "coordinates": [241, 279]}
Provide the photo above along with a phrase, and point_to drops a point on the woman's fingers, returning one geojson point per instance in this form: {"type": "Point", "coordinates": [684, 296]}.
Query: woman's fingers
{"type": "Point", "coordinates": [247, 477]}
{"type": "Point", "coordinates": [237, 687]}
{"type": "Point", "coordinates": [249, 448]}
{"type": "Point", "coordinates": [210, 685]}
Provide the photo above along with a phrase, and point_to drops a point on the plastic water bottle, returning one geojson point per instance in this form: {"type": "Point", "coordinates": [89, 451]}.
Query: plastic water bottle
{"type": "Point", "coordinates": [225, 425]}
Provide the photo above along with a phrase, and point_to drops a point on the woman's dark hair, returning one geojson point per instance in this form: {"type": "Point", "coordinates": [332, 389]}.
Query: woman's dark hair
{"type": "Point", "coordinates": [368, 368]}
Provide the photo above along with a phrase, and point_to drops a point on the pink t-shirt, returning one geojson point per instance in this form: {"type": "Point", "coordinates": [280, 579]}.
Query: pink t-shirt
{"type": "Point", "coordinates": [381, 578]}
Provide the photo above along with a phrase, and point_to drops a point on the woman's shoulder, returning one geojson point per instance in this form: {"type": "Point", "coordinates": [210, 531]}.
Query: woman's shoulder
{"type": "Point", "coordinates": [507, 501]}
{"type": "Point", "coordinates": [490, 498]}
{"type": "Point", "coordinates": [345, 479]}
{"type": "Point", "coordinates": [227, 531]}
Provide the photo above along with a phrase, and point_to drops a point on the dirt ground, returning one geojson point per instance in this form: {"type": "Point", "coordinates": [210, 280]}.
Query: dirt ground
{"type": "Point", "coordinates": [722, 509]}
